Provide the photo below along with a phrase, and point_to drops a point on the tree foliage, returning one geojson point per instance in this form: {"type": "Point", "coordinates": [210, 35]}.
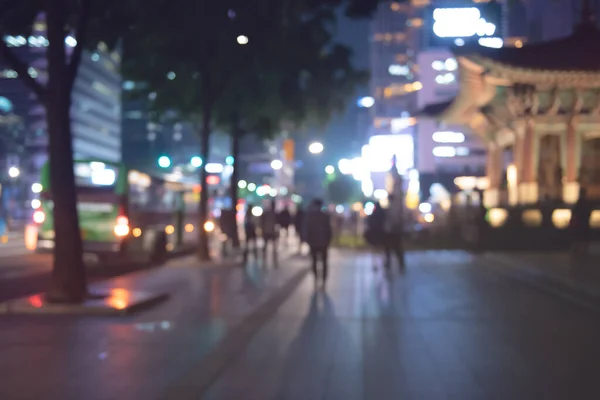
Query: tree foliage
{"type": "Point", "coordinates": [290, 71]}
{"type": "Point", "coordinates": [343, 189]}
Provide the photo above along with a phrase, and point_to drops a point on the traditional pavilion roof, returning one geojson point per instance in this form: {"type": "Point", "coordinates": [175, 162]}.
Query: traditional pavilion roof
{"type": "Point", "coordinates": [579, 52]}
{"type": "Point", "coordinates": [435, 110]}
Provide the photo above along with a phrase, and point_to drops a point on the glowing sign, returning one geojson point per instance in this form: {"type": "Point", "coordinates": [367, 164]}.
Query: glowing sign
{"type": "Point", "coordinates": [381, 150]}
{"type": "Point", "coordinates": [493, 42]}
{"type": "Point", "coordinates": [461, 22]}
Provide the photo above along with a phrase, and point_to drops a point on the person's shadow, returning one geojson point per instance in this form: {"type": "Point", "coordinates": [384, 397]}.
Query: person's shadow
{"type": "Point", "coordinates": [309, 351]}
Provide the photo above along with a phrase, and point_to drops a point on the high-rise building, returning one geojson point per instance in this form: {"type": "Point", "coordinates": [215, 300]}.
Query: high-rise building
{"type": "Point", "coordinates": [95, 110]}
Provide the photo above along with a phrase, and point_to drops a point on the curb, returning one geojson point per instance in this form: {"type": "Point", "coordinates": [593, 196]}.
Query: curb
{"type": "Point", "coordinates": [543, 282]}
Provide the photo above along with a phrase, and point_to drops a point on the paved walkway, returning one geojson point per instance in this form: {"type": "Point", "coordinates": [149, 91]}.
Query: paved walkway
{"type": "Point", "coordinates": [445, 329]}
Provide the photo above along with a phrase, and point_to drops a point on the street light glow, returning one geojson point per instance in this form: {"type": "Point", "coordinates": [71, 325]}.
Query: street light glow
{"type": "Point", "coordinates": [242, 39]}
{"type": "Point", "coordinates": [316, 148]}
{"type": "Point", "coordinates": [329, 169]}
{"type": "Point", "coordinates": [242, 184]}
{"type": "Point", "coordinates": [164, 162]}
{"type": "Point", "coordinates": [366, 102]}
{"type": "Point", "coordinates": [196, 162]}
{"type": "Point", "coordinates": [276, 165]}
{"type": "Point", "coordinates": [14, 172]}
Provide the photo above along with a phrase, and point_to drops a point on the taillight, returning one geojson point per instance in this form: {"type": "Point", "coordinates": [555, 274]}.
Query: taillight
{"type": "Point", "coordinates": [39, 217]}
{"type": "Point", "coordinates": [122, 226]}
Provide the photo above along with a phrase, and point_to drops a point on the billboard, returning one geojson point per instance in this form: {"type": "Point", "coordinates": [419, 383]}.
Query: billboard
{"type": "Point", "coordinates": [458, 25]}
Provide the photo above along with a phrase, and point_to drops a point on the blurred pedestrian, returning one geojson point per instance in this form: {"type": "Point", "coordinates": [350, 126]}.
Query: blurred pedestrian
{"type": "Point", "coordinates": [375, 232]}
{"type": "Point", "coordinates": [318, 234]}
{"type": "Point", "coordinates": [250, 233]}
{"type": "Point", "coordinates": [269, 229]}
{"type": "Point", "coordinates": [285, 220]}
{"type": "Point", "coordinates": [299, 226]}
{"type": "Point", "coordinates": [394, 232]}
{"type": "Point", "coordinates": [580, 225]}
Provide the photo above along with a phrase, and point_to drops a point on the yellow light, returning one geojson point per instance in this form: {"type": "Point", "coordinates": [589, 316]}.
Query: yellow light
{"type": "Point", "coordinates": [121, 230]}
{"type": "Point", "coordinates": [412, 201]}
{"type": "Point", "coordinates": [446, 204]}
{"type": "Point", "coordinates": [429, 217]}
{"type": "Point", "coordinates": [595, 219]}
{"type": "Point", "coordinates": [497, 216]}
{"type": "Point", "coordinates": [137, 232]}
{"type": "Point", "coordinates": [518, 44]}
{"type": "Point", "coordinates": [561, 218]}
{"type": "Point", "coordinates": [169, 229]}
{"type": "Point", "coordinates": [4, 239]}
{"type": "Point", "coordinates": [357, 206]}
{"type": "Point", "coordinates": [532, 217]}
{"type": "Point", "coordinates": [209, 226]}
{"type": "Point", "coordinates": [189, 228]}
{"type": "Point", "coordinates": [417, 85]}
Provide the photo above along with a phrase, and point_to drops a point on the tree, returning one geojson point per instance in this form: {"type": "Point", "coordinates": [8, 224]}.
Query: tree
{"type": "Point", "coordinates": [87, 21]}
{"type": "Point", "coordinates": [343, 189]}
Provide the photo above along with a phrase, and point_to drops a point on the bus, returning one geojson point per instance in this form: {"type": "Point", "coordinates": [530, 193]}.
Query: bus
{"type": "Point", "coordinates": [124, 213]}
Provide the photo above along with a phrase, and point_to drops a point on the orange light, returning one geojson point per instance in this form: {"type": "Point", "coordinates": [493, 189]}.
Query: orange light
{"type": "Point", "coordinates": [39, 217]}
{"type": "Point", "coordinates": [4, 239]}
{"type": "Point", "coordinates": [197, 189]}
{"type": "Point", "coordinates": [169, 229]}
{"type": "Point", "coordinates": [137, 232]}
{"type": "Point", "coordinates": [209, 226]}
{"type": "Point", "coordinates": [189, 228]}
{"type": "Point", "coordinates": [122, 227]}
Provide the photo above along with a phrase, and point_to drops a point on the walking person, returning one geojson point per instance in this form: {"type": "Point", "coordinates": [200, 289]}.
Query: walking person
{"type": "Point", "coordinates": [299, 226]}
{"type": "Point", "coordinates": [318, 234]}
{"type": "Point", "coordinates": [285, 220]}
{"type": "Point", "coordinates": [394, 232]}
{"type": "Point", "coordinates": [269, 228]}
{"type": "Point", "coordinates": [250, 233]}
{"type": "Point", "coordinates": [374, 232]}
{"type": "Point", "coordinates": [580, 226]}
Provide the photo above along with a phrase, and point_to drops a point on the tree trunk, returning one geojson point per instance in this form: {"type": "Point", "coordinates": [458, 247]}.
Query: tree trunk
{"type": "Point", "coordinates": [236, 136]}
{"type": "Point", "coordinates": [203, 237]}
{"type": "Point", "coordinates": [68, 282]}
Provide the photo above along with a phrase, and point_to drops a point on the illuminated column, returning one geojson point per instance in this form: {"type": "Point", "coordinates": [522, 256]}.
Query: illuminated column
{"type": "Point", "coordinates": [528, 154]}
{"type": "Point", "coordinates": [571, 161]}
{"type": "Point", "coordinates": [491, 196]}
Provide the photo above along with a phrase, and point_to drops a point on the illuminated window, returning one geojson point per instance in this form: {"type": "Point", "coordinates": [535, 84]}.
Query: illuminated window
{"type": "Point", "coordinates": [448, 137]}
{"type": "Point", "coordinates": [401, 58]}
{"type": "Point", "coordinates": [9, 73]}
{"type": "Point", "coordinates": [420, 3]}
{"type": "Point", "coordinates": [444, 151]}
{"type": "Point", "coordinates": [445, 79]}
{"type": "Point", "coordinates": [415, 22]}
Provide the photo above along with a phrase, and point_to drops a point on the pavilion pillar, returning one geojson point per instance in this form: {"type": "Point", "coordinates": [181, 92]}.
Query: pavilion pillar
{"type": "Point", "coordinates": [528, 157]}
{"type": "Point", "coordinates": [491, 196]}
{"type": "Point", "coordinates": [572, 163]}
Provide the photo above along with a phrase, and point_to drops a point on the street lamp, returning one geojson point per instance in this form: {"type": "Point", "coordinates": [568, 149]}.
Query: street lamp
{"type": "Point", "coordinates": [276, 165]}
{"type": "Point", "coordinates": [242, 39]}
{"type": "Point", "coordinates": [196, 162]}
{"type": "Point", "coordinates": [14, 172]}
{"type": "Point", "coordinates": [316, 148]}
{"type": "Point", "coordinates": [329, 170]}
{"type": "Point", "coordinates": [164, 162]}
{"type": "Point", "coordinates": [366, 102]}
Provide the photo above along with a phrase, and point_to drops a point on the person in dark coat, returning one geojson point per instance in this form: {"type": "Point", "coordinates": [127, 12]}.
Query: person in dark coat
{"type": "Point", "coordinates": [318, 234]}
{"type": "Point", "coordinates": [375, 230]}
{"type": "Point", "coordinates": [580, 224]}
{"type": "Point", "coordinates": [285, 220]}
{"type": "Point", "coordinates": [250, 233]}
{"type": "Point", "coordinates": [299, 226]}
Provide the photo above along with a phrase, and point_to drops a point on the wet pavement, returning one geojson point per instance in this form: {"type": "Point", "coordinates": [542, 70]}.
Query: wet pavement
{"type": "Point", "coordinates": [446, 328]}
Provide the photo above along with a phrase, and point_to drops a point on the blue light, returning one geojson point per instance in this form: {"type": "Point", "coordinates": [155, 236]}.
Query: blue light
{"type": "Point", "coordinates": [164, 162]}
{"type": "Point", "coordinates": [229, 160]}
{"type": "Point", "coordinates": [196, 162]}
